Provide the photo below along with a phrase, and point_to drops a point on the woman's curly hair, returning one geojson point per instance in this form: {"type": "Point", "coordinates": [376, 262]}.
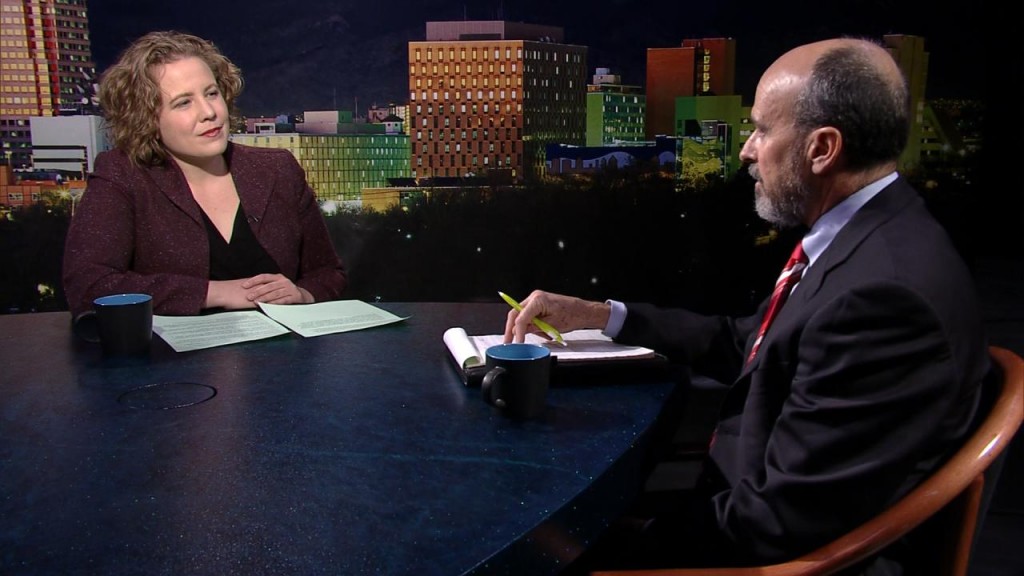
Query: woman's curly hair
{"type": "Point", "coordinates": [131, 99]}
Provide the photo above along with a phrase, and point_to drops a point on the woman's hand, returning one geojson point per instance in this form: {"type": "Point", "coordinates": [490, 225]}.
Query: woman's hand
{"type": "Point", "coordinates": [275, 289]}
{"type": "Point", "coordinates": [246, 292]}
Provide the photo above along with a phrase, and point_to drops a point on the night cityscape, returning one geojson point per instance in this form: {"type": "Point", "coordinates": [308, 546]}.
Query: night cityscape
{"type": "Point", "coordinates": [356, 59]}
{"type": "Point", "coordinates": [454, 224]}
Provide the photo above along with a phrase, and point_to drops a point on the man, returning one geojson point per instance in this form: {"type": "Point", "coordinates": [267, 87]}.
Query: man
{"type": "Point", "coordinates": [866, 377]}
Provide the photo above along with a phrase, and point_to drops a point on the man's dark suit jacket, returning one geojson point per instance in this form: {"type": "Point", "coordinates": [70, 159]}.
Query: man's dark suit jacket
{"type": "Point", "coordinates": [868, 377]}
{"type": "Point", "coordinates": [138, 229]}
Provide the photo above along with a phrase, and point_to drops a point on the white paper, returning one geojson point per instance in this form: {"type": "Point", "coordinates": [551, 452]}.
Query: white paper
{"type": "Point", "coordinates": [462, 348]}
{"type": "Point", "coordinates": [310, 320]}
{"type": "Point", "coordinates": [185, 333]}
{"type": "Point", "coordinates": [581, 345]}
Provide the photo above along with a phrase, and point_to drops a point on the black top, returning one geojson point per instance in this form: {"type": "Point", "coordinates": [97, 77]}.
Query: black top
{"type": "Point", "coordinates": [243, 257]}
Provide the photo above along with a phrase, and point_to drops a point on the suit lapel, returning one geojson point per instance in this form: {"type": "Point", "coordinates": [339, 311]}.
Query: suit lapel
{"type": "Point", "coordinates": [890, 200]}
{"type": "Point", "coordinates": [170, 180]}
{"type": "Point", "coordinates": [253, 181]}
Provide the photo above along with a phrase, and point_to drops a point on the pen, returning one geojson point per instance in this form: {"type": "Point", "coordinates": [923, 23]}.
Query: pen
{"type": "Point", "coordinates": [547, 328]}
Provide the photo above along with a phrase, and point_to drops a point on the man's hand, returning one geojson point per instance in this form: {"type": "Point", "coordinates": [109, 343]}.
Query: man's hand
{"type": "Point", "coordinates": [565, 313]}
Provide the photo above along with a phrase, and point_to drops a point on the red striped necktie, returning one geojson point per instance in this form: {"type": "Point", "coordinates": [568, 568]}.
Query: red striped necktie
{"type": "Point", "coordinates": [783, 286]}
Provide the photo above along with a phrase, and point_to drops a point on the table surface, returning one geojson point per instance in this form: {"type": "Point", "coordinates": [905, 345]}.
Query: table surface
{"type": "Point", "coordinates": [353, 453]}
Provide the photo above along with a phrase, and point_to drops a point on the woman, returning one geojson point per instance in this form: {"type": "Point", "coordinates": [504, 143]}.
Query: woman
{"type": "Point", "coordinates": [178, 212]}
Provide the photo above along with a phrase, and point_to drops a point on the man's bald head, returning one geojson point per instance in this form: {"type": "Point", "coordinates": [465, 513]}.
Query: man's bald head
{"type": "Point", "coordinates": [852, 85]}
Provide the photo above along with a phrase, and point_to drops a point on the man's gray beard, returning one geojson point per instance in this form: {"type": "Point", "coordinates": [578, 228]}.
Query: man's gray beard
{"type": "Point", "coordinates": [785, 212]}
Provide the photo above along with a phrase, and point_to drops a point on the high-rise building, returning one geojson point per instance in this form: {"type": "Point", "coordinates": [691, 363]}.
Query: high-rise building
{"type": "Point", "coordinates": [715, 68]}
{"type": "Point", "coordinates": [46, 68]}
{"type": "Point", "coordinates": [488, 96]}
{"type": "Point", "coordinates": [699, 67]}
{"type": "Point", "coordinates": [615, 112]}
{"type": "Point", "coordinates": [909, 53]}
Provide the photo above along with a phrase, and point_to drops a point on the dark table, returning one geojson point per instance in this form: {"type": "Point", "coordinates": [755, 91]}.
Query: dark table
{"type": "Point", "coordinates": [354, 453]}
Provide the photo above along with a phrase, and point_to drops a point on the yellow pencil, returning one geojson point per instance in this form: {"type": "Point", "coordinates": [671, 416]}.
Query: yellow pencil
{"type": "Point", "coordinates": [547, 328]}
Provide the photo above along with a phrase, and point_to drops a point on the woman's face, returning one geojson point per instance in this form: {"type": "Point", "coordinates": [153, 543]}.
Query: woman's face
{"type": "Point", "coordinates": [193, 114]}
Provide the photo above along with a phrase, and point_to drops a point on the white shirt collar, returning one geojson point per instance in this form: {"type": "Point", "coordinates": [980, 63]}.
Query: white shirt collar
{"type": "Point", "coordinates": [831, 222]}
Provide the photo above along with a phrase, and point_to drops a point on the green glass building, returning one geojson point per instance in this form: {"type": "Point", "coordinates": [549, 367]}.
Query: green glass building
{"type": "Point", "coordinates": [339, 166]}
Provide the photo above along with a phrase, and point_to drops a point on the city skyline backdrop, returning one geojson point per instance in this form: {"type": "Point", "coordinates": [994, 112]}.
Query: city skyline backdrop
{"type": "Point", "coordinates": [332, 54]}
{"type": "Point", "coordinates": [343, 54]}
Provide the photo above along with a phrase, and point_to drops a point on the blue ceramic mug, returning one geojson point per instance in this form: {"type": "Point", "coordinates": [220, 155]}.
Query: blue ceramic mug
{"type": "Point", "coordinates": [121, 323]}
{"type": "Point", "coordinates": [517, 379]}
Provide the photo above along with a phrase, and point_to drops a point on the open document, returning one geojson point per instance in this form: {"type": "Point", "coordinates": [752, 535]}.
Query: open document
{"type": "Point", "coordinates": [184, 333]}
{"type": "Point", "coordinates": [586, 350]}
{"type": "Point", "coordinates": [580, 346]}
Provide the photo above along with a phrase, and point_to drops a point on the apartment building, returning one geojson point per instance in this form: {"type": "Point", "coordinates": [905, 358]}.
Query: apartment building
{"type": "Point", "coordinates": [698, 67]}
{"type": "Point", "coordinates": [487, 96]}
{"type": "Point", "coordinates": [46, 68]}
{"type": "Point", "coordinates": [615, 112]}
{"type": "Point", "coordinates": [909, 53]}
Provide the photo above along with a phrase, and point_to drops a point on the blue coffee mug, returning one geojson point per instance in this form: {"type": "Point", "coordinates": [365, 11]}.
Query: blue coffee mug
{"type": "Point", "coordinates": [517, 379]}
{"type": "Point", "coordinates": [121, 323]}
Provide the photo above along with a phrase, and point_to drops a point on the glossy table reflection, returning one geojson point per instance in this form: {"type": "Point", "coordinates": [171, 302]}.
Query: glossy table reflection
{"type": "Point", "coordinates": [354, 453]}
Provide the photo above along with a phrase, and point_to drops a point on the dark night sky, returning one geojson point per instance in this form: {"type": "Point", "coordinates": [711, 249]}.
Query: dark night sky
{"type": "Point", "coordinates": [317, 54]}
{"type": "Point", "coordinates": [349, 54]}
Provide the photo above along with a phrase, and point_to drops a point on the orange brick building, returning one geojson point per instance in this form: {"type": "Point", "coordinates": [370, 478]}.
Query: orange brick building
{"type": "Point", "coordinates": [699, 67]}
{"type": "Point", "coordinates": [489, 95]}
